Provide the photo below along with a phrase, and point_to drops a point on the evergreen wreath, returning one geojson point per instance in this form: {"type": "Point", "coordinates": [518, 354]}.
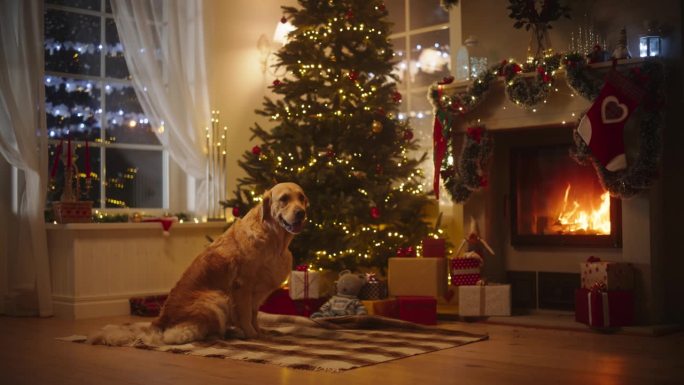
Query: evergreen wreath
{"type": "Point", "coordinates": [469, 173]}
{"type": "Point", "coordinates": [642, 172]}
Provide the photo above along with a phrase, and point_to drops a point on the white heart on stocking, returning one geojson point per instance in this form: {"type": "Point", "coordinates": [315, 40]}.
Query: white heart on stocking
{"type": "Point", "coordinates": [604, 109]}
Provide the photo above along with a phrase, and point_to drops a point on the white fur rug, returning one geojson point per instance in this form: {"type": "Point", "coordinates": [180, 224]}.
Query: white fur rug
{"type": "Point", "coordinates": [330, 344]}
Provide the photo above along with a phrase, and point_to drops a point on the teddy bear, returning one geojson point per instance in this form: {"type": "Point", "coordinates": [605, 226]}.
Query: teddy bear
{"type": "Point", "coordinates": [346, 301]}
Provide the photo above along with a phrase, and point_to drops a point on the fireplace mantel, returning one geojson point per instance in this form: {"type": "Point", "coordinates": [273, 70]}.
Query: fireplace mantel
{"type": "Point", "coordinates": [564, 106]}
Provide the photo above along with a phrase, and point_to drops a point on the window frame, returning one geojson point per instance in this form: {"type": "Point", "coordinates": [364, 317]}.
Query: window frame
{"type": "Point", "coordinates": [102, 145]}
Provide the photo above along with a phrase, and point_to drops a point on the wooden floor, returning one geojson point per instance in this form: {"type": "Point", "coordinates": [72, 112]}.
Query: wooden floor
{"type": "Point", "coordinates": [513, 355]}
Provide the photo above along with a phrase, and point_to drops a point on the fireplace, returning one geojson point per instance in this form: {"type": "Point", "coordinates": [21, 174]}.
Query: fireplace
{"type": "Point", "coordinates": [557, 202]}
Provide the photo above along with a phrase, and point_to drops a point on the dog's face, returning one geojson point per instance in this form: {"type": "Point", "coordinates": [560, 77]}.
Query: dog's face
{"type": "Point", "coordinates": [286, 204]}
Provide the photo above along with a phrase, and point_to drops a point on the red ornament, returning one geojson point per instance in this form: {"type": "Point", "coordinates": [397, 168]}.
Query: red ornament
{"type": "Point", "coordinates": [516, 68]}
{"type": "Point", "coordinates": [375, 212]}
{"type": "Point", "coordinates": [349, 15]}
{"type": "Point", "coordinates": [381, 7]}
{"type": "Point", "coordinates": [283, 20]}
{"type": "Point", "coordinates": [408, 135]}
{"type": "Point", "coordinates": [540, 70]}
{"type": "Point", "coordinates": [396, 97]}
{"type": "Point", "coordinates": [381, 111]}
{"type": "Point", "coordinates": [276, 83]}
{"type": "Point", "coordinates": [378, 169]}
{"type": "Point", "coordinates": [353, 75]}
{"type": "Point", "coordinates": [546, 78]}
{"type": "Point", "coordinates": [256, 150]}
{"type": "Point", "coordinates": [475, 133]}
{"type": "Point", "coordinates": [330, 153]}
{"type": "Point", "coordinates": [236, 211]}
{"type": "Point", "coordinates": [483, 181]}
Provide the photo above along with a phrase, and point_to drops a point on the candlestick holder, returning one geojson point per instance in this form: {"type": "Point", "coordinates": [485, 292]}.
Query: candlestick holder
{"type": "Point", "coordinates": [69, 208]}
{"type": "Point", "coordinates": [217, 164]}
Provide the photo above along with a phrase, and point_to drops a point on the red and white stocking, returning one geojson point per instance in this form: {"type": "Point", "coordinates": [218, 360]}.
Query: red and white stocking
{"type": "Point", "coordinates": [602, 126]}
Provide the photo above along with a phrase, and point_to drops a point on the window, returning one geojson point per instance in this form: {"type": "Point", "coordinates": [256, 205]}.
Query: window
{"type": "Point", "coordinates": [89, 99]}
{"type": "Point", "coordinates": [420, 36]}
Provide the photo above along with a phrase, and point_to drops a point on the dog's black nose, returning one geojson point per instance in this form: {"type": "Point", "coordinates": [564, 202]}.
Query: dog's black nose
{"type": "Point", "coordinates": [299, 215]}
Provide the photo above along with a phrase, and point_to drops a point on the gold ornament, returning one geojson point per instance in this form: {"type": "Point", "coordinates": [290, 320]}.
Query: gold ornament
{"type": "Point", "coordinates": [136, 217]}
{"type": "Point", "coordinates": [377, 126]}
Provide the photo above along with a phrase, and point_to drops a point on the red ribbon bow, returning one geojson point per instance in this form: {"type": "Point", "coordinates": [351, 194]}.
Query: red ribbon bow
{"type": "Point", "coordinates": [302, 268]}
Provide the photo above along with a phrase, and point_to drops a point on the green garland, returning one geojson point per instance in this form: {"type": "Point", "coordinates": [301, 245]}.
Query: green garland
{"type": "Point", "coordinates": [529, 91]}
{"type": "Point", "coordinates": [460, 182]}
{"type": "Point", "coordinates": [642, 172]}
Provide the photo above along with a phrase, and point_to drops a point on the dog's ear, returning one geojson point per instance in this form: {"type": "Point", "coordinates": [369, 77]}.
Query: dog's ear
{"type": "Point", "coordinates": [266, 206]}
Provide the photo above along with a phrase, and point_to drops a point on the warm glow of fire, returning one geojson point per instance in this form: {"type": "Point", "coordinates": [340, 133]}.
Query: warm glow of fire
{"type": "Point", "coordinates": [574, 218]}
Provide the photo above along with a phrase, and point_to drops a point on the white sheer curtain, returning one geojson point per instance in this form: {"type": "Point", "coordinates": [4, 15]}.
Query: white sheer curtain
{"type": "Point", "coordinates": [23, 143]}
{"type": "Point", "coordinates": [164, 48]}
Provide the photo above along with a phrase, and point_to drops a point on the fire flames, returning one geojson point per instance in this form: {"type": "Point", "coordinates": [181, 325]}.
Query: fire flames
{"type": "Point", "coordinates": [574, 218]}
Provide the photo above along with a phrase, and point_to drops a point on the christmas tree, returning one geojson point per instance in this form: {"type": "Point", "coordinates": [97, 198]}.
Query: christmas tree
{"type": "Point", "coordinates": [336, 134]}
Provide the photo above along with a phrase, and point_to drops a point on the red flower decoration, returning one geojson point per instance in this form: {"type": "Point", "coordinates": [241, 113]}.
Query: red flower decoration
{"type": "Point", "coordinates": [375, 212]}
{"type": "Point", "coordinates": [256, 150]}
{"type": "Point", "coordinates": [475, 133]}
{"type": "Point", "coordinates": [516, 68]}
{"type": "Point", "coordinates": [236, 211]}
{"type": "Point", "coordinates": [408, 135]}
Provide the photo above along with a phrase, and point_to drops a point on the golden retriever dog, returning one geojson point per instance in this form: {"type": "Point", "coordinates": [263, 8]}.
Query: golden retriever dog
{"type": "Point", "coordinates": [226, 284]}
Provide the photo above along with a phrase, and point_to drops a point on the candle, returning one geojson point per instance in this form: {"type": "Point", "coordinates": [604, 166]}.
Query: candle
{"type": "Point", "coordinates": [87, 160]}
{"type": "Point", "coordinates": [58, 152]}
{"type": "Point", "coordinates": [69, 152]}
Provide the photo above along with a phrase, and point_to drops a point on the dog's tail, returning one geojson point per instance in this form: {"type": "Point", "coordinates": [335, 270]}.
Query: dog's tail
{"type": "Point", "coordinates": [127, 335]}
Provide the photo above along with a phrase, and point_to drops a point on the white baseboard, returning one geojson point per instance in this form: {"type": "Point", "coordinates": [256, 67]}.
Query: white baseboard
{"type": "Point", "coordinates": [94, 307]}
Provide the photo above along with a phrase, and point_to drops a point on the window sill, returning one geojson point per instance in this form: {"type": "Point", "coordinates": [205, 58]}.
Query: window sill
{"type": "Point", "coordinates": [132, 226]}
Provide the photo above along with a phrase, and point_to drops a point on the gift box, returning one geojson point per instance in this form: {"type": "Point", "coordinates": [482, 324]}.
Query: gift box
{"type": "Point", "coordinates": [417, 277]}
{"type": "Point", "coordinates": [608, 275]}
{"type": "Point", "coordinates": [279, 302]}
{"type": "Point", "coordinates": [434, 248]}
{"type": "Point", "coordinates": [465, 271]}
{"type": "Point", "coordinates": [149, 306]}
{"type": "Point", "coordinates": [485, 300]}
{"type": "Point", "coordinates": [418, 309]}
{"type": "Point", "coordinates": [304, 284]}
{"type": "Point", "coordinates": [388, 307]}
{"type": "Point", "coordinates": [604, 308]}
{"type": "Point", "coordinates": [374, 288]}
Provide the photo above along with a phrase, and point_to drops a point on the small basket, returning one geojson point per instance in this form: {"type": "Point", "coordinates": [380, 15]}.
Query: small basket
{"type": "Point", "coordinates": [73, 212]}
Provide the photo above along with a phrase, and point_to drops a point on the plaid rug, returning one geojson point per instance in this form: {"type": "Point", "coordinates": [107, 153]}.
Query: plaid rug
{"type": "Point", "coordinates": [329, 344]}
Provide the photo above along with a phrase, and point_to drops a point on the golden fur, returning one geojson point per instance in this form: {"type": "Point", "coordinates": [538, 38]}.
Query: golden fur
{"type": "Point", "coordinates": [227, 283]}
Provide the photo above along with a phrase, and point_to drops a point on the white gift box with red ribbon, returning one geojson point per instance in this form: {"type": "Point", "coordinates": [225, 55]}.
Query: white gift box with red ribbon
{"type": "Point", "coordinates": [304, 284]}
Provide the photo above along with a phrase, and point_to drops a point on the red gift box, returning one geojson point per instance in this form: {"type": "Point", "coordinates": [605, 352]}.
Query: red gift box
{"type": "Point", "coordinates": [465, 271]}
{"type": "Point", "coordinates": [421, 310]}
{"type": "Point", "coordinates": [279, 302]}
{"type": "Point", "coordinates": [604, 308]}
{"type": "Point", "coordinates": [434, 248]}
